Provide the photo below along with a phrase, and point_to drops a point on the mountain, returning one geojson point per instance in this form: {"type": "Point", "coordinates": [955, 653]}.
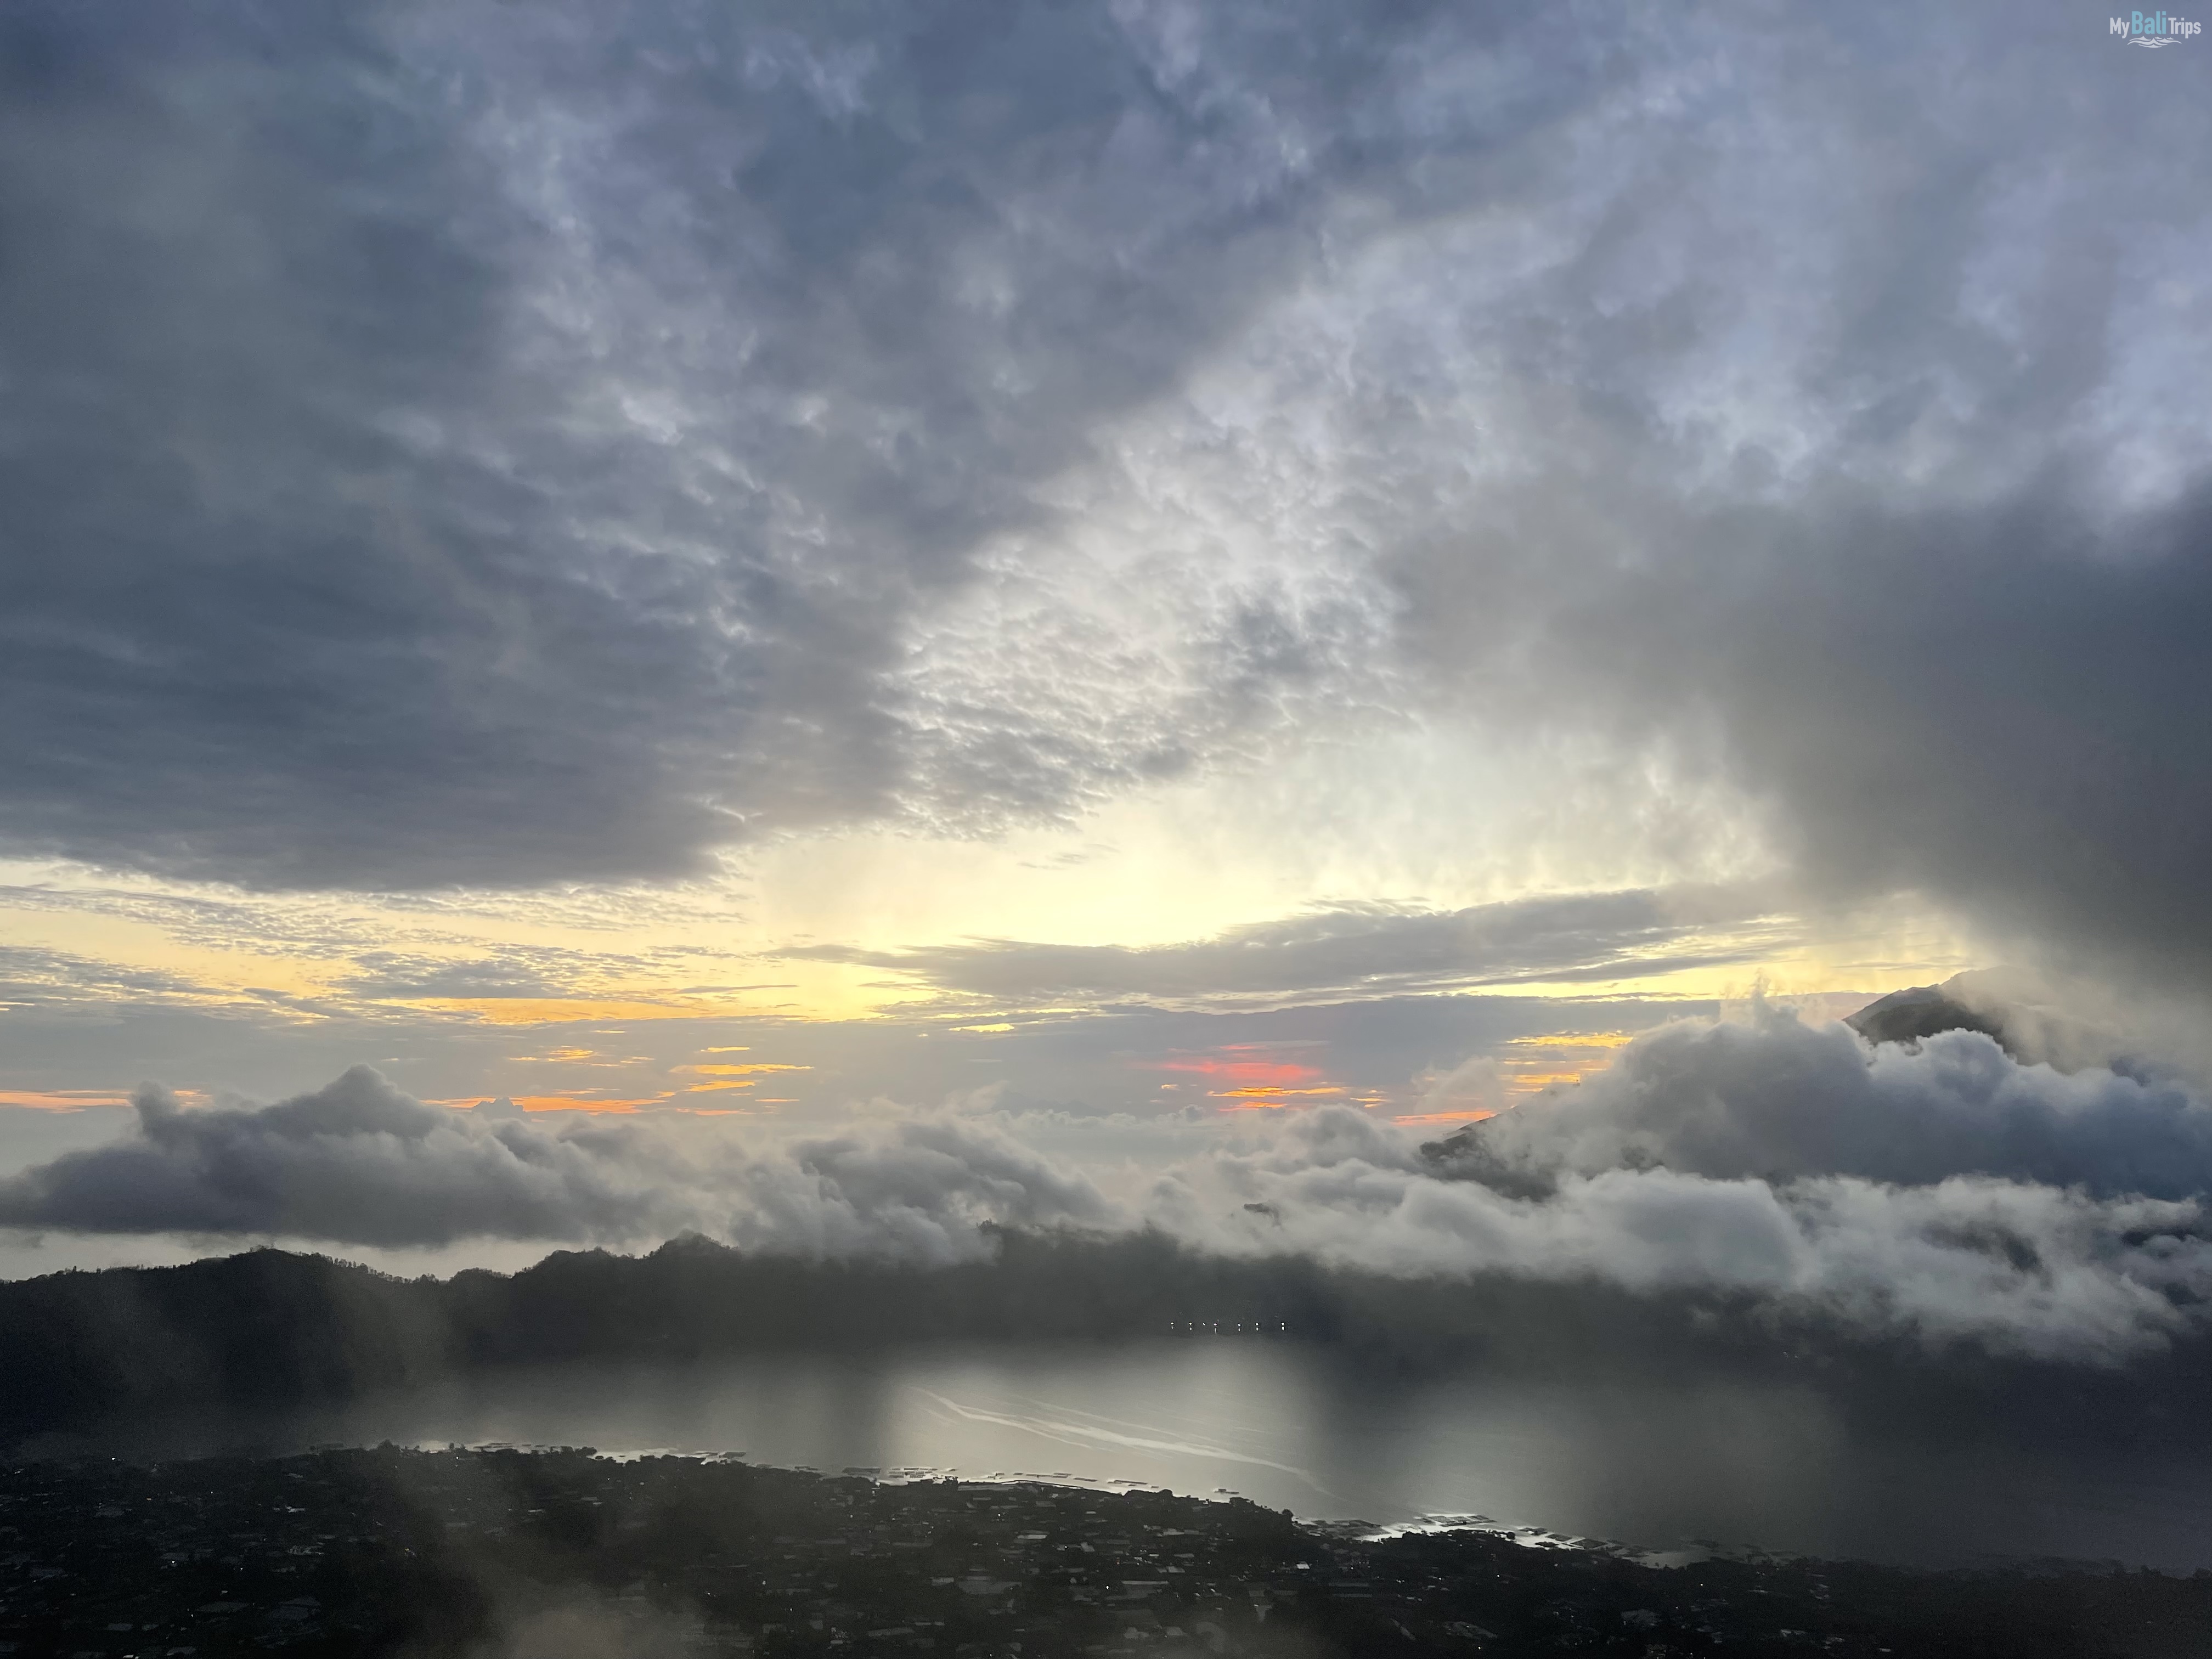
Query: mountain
{"type": "Point", "coordinates": [1958, 1004]}
{"type": "Point", "coordinates": [2024, 1015]}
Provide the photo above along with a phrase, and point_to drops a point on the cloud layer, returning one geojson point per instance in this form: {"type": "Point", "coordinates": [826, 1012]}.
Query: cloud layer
{"type": "Point", "coordinates": [1943, 1193]}
{"type": "Point", "coordinates": [499, 445]}
{"type": "Point", "coordinates": [1359, 949]}
{"type": "Point", "coordinates": [525, 440]}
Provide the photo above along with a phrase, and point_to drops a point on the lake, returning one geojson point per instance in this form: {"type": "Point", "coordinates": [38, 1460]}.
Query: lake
{"type": "Point", "coordinates": [1783, 1465]}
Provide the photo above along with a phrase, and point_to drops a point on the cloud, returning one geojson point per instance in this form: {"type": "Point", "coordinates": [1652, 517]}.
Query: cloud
{"type": "Point", "coordinates": [2003, 715]}
{"type": "Point", "coordinates": [916, 1191]}
{"type": "Point", "coordinates": [358, 1161]}
{"type": "Point", "coordinates": [1359, 949]}
{"type": "Point", "coordinates": [497, 446]}
{"type": "Point", "coordinates": [1813, 444]}
{"type": "Point", "coordinates": [1782, 422]}
{"type": "Point", "coordinates": [33, 976]}
{"type": "Point", "coordinates": [525, 441]}
{"type": "Point", "coordinates": [1779, 1100]}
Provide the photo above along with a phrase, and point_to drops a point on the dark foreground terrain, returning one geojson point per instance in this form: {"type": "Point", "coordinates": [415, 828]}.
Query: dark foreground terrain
{"type": "Point", "coordinates": [570, 1556]}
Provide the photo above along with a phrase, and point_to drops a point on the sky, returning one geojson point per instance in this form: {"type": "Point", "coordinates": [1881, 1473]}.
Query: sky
{"type": "Point", "coordinates": [1132, 570]}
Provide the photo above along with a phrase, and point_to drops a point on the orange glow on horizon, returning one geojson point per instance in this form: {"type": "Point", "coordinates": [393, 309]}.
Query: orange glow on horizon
{"type": "Point", "coordinates": [1413, 1118]}
{"type": "Point", "coordinates": [1253, 1079]}
{"type": "Point", "coordinates": [565, 1104]}
{"type": "Point", "coordinates": [62, 1100]}
{"type": "Point", "coordinates": [1533, 1083]}
{"type": "Point", "coordinates": [1279, 1074]}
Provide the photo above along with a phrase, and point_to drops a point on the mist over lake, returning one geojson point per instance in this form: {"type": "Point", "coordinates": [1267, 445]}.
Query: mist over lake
{"type": "Point", "coordinates": [1797, 1467]}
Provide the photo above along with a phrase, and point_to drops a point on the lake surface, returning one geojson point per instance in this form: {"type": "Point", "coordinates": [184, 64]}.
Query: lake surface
{"type": "Point", "coordinates": [1776, 1465]}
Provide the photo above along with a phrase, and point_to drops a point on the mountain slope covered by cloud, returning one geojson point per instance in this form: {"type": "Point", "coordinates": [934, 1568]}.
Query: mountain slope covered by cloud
{"type": "Point", "coordinates": [1781, 1100]}
{"type": "Point", "coordinates": [1942, 1192]}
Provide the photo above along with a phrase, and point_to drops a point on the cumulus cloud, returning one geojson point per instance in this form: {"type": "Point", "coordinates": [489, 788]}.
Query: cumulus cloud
{"type": "Point", "coordinates": [1778, 1100]}
{"type": "Point", "coordinates": [358, 1161]}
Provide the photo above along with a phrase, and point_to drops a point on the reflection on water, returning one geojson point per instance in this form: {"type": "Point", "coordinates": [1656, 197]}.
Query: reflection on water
{"type": "Point", "coordinates": [1768, 1464]}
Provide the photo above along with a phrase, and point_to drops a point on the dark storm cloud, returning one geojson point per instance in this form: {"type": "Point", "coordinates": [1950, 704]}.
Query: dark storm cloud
{"type": "Point", "coordinates": [2029, 728]}
{"type": "Point", "coordinates": [2002, 705]}
{"type": "Point", "coordinates": [1350, 948]}
{"type": "Point", "coordinates": [1859, 466]}
{"type": "Point", "coordinates": [489, 444]}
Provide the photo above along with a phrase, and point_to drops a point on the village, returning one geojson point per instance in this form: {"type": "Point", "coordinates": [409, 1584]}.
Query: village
{"type": "Point", "coordinates": [560, 1552]}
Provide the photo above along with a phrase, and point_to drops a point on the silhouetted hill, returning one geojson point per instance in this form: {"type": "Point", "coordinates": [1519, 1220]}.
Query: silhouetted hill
{"type": "Point", "coordinates": [1921, 1011]}
{"type": "Point", "coordinates": [261, 1327]}
{"type": "Point", "coordinates": [268, 1328]}
{"type": "Point", "coordinates": [2029, 1021]}
{"type": "Point", "coordinates": [2025, 1017]}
